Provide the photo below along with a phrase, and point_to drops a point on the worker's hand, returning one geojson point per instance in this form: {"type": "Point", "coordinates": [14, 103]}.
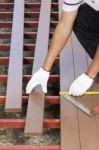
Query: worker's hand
{"type": "Point", "coordinates": [39, 78]}
{"type": "Point", "coordinates": [80, 85]}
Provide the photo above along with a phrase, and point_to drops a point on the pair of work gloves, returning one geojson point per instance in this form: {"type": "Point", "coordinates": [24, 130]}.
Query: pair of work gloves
{"type": "Point", "coordinates": [77, 88]}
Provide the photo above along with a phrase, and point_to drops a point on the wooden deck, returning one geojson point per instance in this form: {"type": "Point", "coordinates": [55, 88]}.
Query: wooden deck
{"type": "Point", "coordinates": [81, 131]}
{"type": "Point", "coordinates": [78, 131]}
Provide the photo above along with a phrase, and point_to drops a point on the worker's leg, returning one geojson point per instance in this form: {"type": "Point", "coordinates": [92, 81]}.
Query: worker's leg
{"type": "Point", "coordinates": [93, 69]}
{"type": "Point", "coordinates": [86, 28]}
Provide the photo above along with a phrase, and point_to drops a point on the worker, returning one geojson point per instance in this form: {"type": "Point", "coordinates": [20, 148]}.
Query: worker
{"type": "Point", "coordinates": [81, 16]}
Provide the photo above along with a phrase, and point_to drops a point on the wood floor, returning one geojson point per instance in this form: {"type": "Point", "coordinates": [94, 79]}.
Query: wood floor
{"type": "Point", "coordinates": [78, 131]}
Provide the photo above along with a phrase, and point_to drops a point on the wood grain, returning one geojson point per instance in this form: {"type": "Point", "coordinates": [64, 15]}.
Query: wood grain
{"type": "Point", "coordinates": [35, 110]}
{"type": "Point", "coordinates": [87, 125]}
{"type": "Point", "coordinates": [14, 82]}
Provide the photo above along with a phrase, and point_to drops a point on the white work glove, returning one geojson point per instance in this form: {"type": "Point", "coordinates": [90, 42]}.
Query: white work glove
{"type": "Point", "coordinates": [39, 78]}
{"type": "Point", "coordinates": [80, 85]}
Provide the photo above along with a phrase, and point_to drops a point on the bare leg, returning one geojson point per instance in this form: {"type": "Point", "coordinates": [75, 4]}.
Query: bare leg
{"type": "Point", "coordinates": [94, 66]}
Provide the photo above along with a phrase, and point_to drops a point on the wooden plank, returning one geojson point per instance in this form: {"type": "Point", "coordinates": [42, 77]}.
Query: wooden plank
{"type": "Point", "coordinates": [14, 83]}
{"type": "Point", "coordinates": [53, 78]}
{"type": "Point", "coordinates": [30, 147]}
{"type": "Point", "coordinates": [20, 123]}
{"type": "Point", "coordinates": [87, 125]}
{"type": "Point", "coordinates": [95, 87]}
{"type": "Point", "coordinates": [35, 110]}
{"type": "Point", "coordinates": [69, 120]}
{"type": "Point", "coordinates": [50, 100]}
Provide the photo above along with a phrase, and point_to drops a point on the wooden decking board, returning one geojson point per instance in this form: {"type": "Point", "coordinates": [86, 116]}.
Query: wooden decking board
{"type": "Point", "coordinates": [20, 123]}
{"type": "Point", "coordinates": [30, 147]}
{"type": "Point", "coordinates": [87, 125]}
{"type": "Point", "coordinates": [80, 65]}
{"type": "Point", "coordinates": [87, 128]}
{"type": "Point", "coordinates": [95, 102]}
{"type": "Point", "coordinates": [69, 120]}
{"type": "Point", "coordinates": [14, 83]}
{"type": "Point", "coordinates": [35, 110]}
